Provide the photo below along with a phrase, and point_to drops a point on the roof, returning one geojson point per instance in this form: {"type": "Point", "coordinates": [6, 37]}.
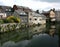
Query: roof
{"type": "Point", "coordinates": [26, 9]}
{"type": "Point", "coordinates": [20, 12]}
{"type": "Point", "coordinates": [38, 15]}
{"type": "Point", "coordinates": [22, 7]}
{"type": "Point", "coordinates": [3, 8]}
{"type": "Point", "coordinates": [57, 11]}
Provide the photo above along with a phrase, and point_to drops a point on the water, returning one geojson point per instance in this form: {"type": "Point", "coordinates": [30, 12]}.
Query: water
{"type": "Point", "coordinates": [38, 36]}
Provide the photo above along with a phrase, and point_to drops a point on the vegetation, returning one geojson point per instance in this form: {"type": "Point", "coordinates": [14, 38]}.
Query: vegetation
{"type": "Point", "coordinates": [1, 21]}
{"type": "Point", "coordinates": [13, 19]}
{"type": "Point", "coordinates": [10, 19]}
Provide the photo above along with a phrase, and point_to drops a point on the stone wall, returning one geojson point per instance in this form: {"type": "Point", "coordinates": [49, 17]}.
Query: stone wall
{"type": "Point", "coordinates": [9, 26]}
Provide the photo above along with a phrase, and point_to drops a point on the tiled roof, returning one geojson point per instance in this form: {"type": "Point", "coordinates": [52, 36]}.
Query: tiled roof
{"type": "Point", "coordinates": [38, 15]}
{"type": "Point", "coordinates": [3, 8]}
{"type": "Point", "coordinates": [20, 12]}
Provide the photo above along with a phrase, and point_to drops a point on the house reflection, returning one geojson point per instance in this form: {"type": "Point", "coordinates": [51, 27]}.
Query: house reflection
{"type": "Point", "coordinates": [39, 29]}
{"type": "Point", "coordinates": [35, 30]}
{"type": "Point", "coordinates": [52, 30]}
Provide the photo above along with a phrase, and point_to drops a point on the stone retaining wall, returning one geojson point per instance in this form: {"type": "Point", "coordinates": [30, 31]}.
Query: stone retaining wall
{"type": "Point", "coordinates": [9, 26]}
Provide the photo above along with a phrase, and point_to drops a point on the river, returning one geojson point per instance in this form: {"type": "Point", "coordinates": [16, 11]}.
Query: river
{"type": "Point", "coordinates": [37, 36]}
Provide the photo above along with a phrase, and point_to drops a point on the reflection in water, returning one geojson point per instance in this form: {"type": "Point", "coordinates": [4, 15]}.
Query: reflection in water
{"type": "Point", "coordinates": [38, 36]}
{"type": "Point", "coordinates": [39, 29]}
{"type": "Point", "coordinates": [51, 32]}
{"type": "Point", "coordinates": [13, 44]}
{"type": "Point", "coordinates": [44, 40]}
{"type": "Point", "coordinates": [9, 44]}
{"type": "Point", "coordinates": [58, 30]}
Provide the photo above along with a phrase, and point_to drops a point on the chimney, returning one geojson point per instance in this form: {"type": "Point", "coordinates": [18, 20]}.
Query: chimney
{"type": "Point", "coordinates": [15, 7]}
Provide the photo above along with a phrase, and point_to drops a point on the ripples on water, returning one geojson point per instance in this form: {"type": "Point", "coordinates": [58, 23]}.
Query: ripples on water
{"type": "Point", "coordinates": [39, 36]}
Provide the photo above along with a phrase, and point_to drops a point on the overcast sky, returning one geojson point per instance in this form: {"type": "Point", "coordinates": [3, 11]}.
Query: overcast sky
{"type": "Point", "coordinates": [33, 4]}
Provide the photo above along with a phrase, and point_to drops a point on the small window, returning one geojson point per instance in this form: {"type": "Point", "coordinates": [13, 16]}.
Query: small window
{"type": "Point", "coordinates": [9, 9]}
{"type": "Point", "coordinates": [30, 19]}
{"type": "Point", "coordinates": [35, 19]}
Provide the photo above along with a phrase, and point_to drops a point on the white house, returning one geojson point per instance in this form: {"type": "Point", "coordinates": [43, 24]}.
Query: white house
{"type": "Point", "coordinates": [52, 15]}
{"type": "Point", "coordinates": [3, 15]}
{"type": "Point", "coordinates": [35, 18]}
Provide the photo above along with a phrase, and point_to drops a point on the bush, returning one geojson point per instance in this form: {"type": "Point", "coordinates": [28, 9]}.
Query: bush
{"type": "Point", "coordinates": [13, 19]}
{"type": "Point", "coordinates": [1, 21]}
{"type": "Point", "coordinates": [5, 21]}
{"type": "Point", "coordinates": [10, 19]}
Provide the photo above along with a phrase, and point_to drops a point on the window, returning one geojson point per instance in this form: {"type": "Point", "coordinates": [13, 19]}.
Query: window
{"type": "Point", "coordinates": [30, 19]}
{"type": "Point", "coordinates": [9, 9]}
{"type": "Point", "coordinates": [35, 19]}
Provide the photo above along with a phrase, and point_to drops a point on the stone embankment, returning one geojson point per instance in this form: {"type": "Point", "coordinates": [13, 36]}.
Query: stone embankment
{"type": "Point", "coordinates": [9, 26]}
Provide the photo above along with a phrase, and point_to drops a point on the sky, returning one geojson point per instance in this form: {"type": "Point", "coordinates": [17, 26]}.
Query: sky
{"type": "Point", "coordinates": [33, 4]}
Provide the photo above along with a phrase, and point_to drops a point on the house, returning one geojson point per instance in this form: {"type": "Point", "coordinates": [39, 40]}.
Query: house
{"type": "Point", "coordinates": [35, 18]}
{"type": "Point", "coordinates": [22, 15]}
{"type": "Point", "coordinates": [3, 15]}
{"type": "Point", "coordinates": [39, 18]}
{"type": "Point", "coordinates": [52, 15]}
{"type": "Point", "coordinates": [6, 9]}
{"type": "Point", "coordinates": [57, 12]}
{"type": "Point", "coordinates": [28, 16]}
{"type": "Point", "coordinates": [22, 8]}
{"type": "Point", "coordinates": [55, 15]}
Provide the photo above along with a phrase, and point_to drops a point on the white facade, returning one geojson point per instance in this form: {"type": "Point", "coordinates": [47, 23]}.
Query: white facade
{"type": "Point", "coordinates": [38, 20]}
{"type": "Point", "coordinates": [3, 15]}
{"type": "Point", "coordinates": [52, 16]}
{"type": "Point", "coordinates": [35, 18]}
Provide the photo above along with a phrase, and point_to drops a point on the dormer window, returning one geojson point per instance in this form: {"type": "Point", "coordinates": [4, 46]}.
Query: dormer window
{"type": "Point", "coordinates": [9, 9]}
{"type": "Point", "coordinates": [22, 13]}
